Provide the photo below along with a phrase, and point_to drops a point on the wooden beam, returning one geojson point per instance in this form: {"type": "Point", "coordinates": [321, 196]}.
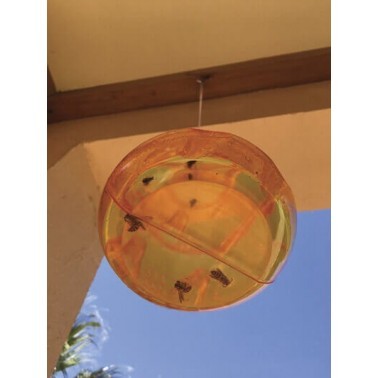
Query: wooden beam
{"type": "Point", "coordinates": [266, 73]}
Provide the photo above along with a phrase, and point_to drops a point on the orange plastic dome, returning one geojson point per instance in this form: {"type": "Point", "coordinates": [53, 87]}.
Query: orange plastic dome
{"type": "Point", "coordinates": [196, 220]}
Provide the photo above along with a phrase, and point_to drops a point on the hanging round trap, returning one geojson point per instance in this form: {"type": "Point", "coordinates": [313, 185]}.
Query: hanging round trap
{"type": "Point", "coordinates": [196, 220]}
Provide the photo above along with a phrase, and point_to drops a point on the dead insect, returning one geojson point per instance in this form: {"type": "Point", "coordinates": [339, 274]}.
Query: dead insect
{"type": "Point", "coordinates": [221, 277]}
{"type": "Point", "coordinates": [190, 163]}
{"type": "Point", "coordinates": [190, 176]}
{"type": "Point", "coordinates": [134, 223]}
{"type": "Point", "coordinates": [147, 180]}
{"type": "Point", "coordinates": [182, 287]}
{"type": "Point", "coordinates": [192, 202]}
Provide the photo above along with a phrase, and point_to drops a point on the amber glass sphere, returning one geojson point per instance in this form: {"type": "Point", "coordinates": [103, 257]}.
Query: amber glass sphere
{"type": "Point", "coordinates": [196, 220]}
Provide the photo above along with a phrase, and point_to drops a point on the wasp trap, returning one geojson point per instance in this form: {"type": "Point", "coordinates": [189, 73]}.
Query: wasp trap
{"type": "Point", "coordinates": [196, 220]}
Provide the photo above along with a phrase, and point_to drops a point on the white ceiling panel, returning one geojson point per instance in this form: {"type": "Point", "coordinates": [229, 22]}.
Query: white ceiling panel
{"type": "Point", "coordinates": [95, 42]}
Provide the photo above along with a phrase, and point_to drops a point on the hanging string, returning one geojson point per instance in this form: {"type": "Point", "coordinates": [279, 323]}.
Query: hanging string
{"type": "Point", "coordinates": [201, 81]}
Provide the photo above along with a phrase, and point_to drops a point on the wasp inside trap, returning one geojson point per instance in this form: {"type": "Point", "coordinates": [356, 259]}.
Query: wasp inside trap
{"type": "Point", "coordinates": [196, 220]}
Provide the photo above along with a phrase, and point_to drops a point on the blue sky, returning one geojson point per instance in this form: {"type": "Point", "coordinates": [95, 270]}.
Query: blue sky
{"type": "Point", "coordinates": [282, 332]}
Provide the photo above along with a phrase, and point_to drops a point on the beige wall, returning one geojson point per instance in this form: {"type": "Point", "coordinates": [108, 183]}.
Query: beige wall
{"type": "Point", "coordinates": [298, 143]}
{"type": "Point", "coordinates": [72, 244]}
